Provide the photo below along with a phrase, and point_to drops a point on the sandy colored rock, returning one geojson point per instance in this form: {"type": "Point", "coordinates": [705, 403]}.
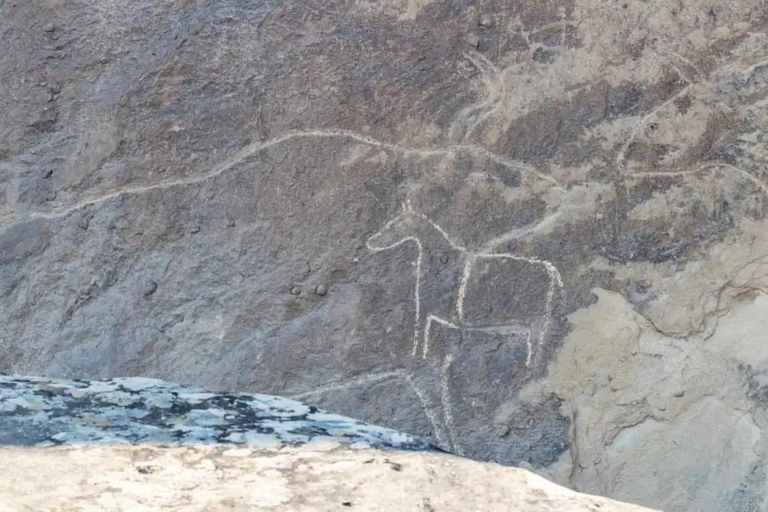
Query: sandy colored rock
{"type": "Point", "coordinates": [147, 477]}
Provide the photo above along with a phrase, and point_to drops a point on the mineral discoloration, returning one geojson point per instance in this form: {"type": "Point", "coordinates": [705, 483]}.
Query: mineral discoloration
{"type": "Point", "coordinates": [52, 412]}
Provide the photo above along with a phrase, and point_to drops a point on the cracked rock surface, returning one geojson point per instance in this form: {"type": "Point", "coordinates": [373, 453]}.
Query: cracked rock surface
{"type": "Point", "coordinates": [533, 232]}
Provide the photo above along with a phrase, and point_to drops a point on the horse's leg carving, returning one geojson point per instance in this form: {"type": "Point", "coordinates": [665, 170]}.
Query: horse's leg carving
{"type": "Point", "coordinates": [538, 339]}
{"type": "Point", "coordinates": [428, 329]}
{"type": "Point", "coordinates": [429, 406]}
{"type": "Point", "coordinates": [445, 397]}
{"type": "Point", "coordinates": [429, 377]}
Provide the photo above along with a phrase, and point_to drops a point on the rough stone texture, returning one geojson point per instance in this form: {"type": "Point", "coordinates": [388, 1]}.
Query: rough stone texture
{"type": "Point", "coordinates": [313, 478]}
{"type": "Point", "coordinates": [38, 411]}
{"type": "Point", "coordinates": [534, 230]}
{"type": "Point", "coordinates": [145, 444]}
{"type": "Point", "coordinates": [308, 479]}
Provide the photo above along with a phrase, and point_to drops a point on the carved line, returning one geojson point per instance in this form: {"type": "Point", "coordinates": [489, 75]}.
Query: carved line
{"type": "Point", "coordinates": [675, 66]}
{"type": "Point", "coordinates": [754, 67]}
{"type": "Point", "coordinates": [555, 281]}
{"type": "Point", "coordinates": [376, 377]}
{"type": "Point", "coordinates": [253, 148]}
{"type": "Point", "coordinates": [621, 157]}
{"type": "Point", "coordinates": [494, 89]}
{"type": "Point", "coordinates": [463, 287]}
{"type": "Point", "coordinates": [381, 377]}
{"type": "Point", "coordinates": [467, 111]}
{"type": "Point", "coordinates": [705, 167]}
{"type": "Point", "coordinates": [428, 328]}
{"type": "Point", "coordinates": [417, 288]}
{"type": "Point", "coordinates": [528, 344]}
{"type": "Point", "coordinates": [446, 402]}
{"type": "Point", "coordinates": [492, 329]}
{"type": "Point", "coordinates": [429, 413]}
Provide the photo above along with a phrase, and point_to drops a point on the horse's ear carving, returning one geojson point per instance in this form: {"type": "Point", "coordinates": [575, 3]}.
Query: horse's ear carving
{"type": "Point", "coordinates": [408, 207]}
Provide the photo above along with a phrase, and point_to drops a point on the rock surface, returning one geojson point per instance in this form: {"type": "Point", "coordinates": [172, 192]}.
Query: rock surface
{"type": "Point", "coordinates": [534, 230]}
{"type": "Point", "coordinates": [143, 444]}
{"type": "Point", "coordinates": [37, 411]}
{"type": "Point", "coordinates": [308, 479]}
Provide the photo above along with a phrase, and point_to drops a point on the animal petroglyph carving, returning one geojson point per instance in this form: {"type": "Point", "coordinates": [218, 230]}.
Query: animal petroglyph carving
{"type": "Point", "coordinates": [443, 260]}
{"type": "Point", "coordinates": [472, 117]}
{"type": "Point", "coordinates": [254, 148]}
{"type": "Point", "coordinates": [411, 226]}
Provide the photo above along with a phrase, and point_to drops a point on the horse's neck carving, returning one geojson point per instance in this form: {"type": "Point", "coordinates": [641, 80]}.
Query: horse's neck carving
{"type": "Point", "coordinates": [435, 249]}
{"type": "Point", "coordinates": [410, 225]}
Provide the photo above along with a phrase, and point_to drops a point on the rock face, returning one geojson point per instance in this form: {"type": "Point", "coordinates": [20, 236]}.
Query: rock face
{"type": "Point", "coordinates": [287, 456]}
{"type": "Point", "coordinates": [534, 231]}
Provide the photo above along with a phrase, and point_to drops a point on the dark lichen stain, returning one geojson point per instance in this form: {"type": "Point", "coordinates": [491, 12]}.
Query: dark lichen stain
{"type": "Point", "coordinates": [243, 413]}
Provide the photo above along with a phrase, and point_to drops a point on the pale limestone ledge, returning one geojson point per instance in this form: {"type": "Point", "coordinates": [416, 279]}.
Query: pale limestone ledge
{"type": "Point", "coordinates": [319, 477]}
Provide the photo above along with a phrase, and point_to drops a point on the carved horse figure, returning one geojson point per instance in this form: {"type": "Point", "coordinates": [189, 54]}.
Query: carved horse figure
{"type": "Point", "coordinates": [450, 291]}
{"type": "Point", "coordinates": [444, 272]}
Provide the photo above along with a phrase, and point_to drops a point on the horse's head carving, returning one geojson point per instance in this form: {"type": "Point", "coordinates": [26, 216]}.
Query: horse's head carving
{"type": "Point", "coordinates": [404, 226]}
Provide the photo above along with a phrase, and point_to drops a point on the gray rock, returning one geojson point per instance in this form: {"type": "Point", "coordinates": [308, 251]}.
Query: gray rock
{"type": "Point", "coordinates": [53, 412]}
{"type": "Point", "coordinates": [485, 21]}
{"type": "Point", "coordinates": [507, 214]}
{"type": "Point", "coordinates": [148, 287]}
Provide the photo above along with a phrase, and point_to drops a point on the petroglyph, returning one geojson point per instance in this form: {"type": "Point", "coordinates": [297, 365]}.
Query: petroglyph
{"type": "Point", "coordinates": [408, 226]}
{"type": "Point", "coordinates": [366, 379]}
{"type": "Point", "coordinates": [473, 116]}
{"type": "Point", "coordinates": [669, 57]}
{"type": "Point", "coordinates": [436, 403]}
{"type": "Point", "coordinates": [256, 147]}
{"type": "Point", "coordinates": [401, 230]}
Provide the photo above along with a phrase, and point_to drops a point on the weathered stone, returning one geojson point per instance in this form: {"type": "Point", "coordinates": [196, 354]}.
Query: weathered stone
{"type": "Point", "coordinates": [314, 478]}
{"type": "Point", "coordinates": [54, 412]}
{"type": "Point", "coordinates": [508, 215]}
{"type": "Point", "coordinates": [68, 445]}
{"type": "Point", "coordinates": [148, 287]}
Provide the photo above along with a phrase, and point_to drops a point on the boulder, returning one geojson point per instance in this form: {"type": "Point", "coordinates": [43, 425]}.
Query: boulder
{"type": "Point", "coordinates": [109, 448]}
